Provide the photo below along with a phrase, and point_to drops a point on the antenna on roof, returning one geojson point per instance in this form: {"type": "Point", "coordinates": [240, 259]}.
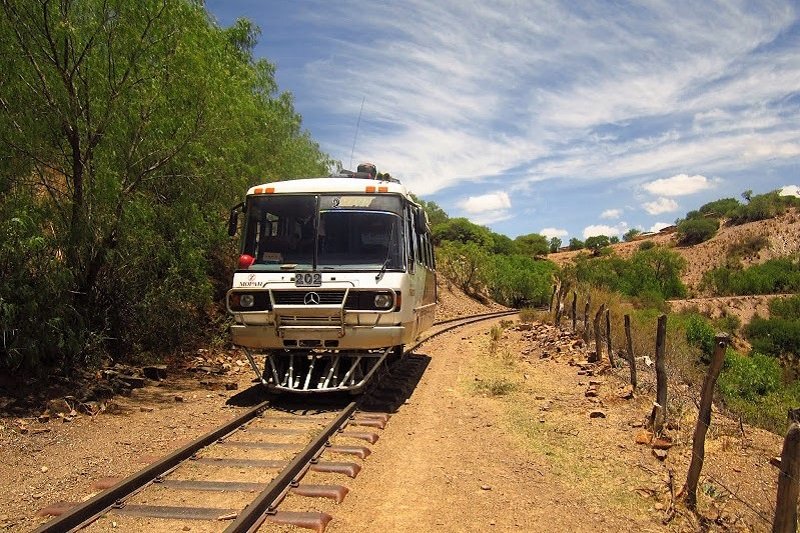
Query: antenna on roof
{"type": "Point", "coordinates": [355, 136]}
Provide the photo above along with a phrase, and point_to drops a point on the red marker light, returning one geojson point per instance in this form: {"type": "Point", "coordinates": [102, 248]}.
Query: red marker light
{"type": "Point", "coordinates": [245, 261]}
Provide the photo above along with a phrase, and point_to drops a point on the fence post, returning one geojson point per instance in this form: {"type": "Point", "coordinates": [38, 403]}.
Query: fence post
{"type": "Point", "coordinates": [586, 319]}
{"type": "Point", "coordinates": [788, 482]}
{"type": "Point", "coordinates": [608, 338]}
{"type": "Point", "coordinates": [553, 295]}
{"type": "Point", "coordinates": [629, 345]}
{"type": "Point", "coordinates": [704, 420]}
{"type": "Point", "coordinates": [598, 340]}
{"type": "Point", "coordinates": [661, 370]}
{"type": "Point", "coordinates": [574, 310]}
{"type": "Point", "coordinates": [560, 304]}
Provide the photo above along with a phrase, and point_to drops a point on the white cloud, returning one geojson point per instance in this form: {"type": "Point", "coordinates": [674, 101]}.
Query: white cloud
{"type": "Point", "coordinates": [496, 201]}
{"type": "Point", "coordinates": [602, 229]}
{"type": "Point", "coordinates": [658, 226]}
{"type": "Point", "coordinates": [790, 190]}
{"type": "Point", "coordinates": [662, 205]}
{"type": "Point", "coordinates": [678, 185]}
{"type": "Point", "coordinates": [611, 213]}
{"type": "Point", "coordinates": [553, 232]}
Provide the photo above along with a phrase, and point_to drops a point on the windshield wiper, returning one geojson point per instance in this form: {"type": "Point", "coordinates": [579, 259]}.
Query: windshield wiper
{"type": "Point", "coordinates": [383, 268]}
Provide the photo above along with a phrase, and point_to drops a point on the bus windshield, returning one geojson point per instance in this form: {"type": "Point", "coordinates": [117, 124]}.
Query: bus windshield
{"type": "Point", "coordinates": [324, 232]}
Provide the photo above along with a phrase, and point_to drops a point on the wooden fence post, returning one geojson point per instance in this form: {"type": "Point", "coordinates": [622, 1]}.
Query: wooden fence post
{"type": "Point", "coordinates": [553, 295]}
{"type": "Point", "coordinates": [704, 420]}
{"type": "Point", "coordinates": [629, 346]}
{"type": "Point", "coordinates": [598, 340]}
{"type": "Point", "coordinates": [661, 369]}
{"type": "Point", "coordinates": [574, 310]}
{"type": "Point", "coordinates": [586, 319]}
{"type": "Point", "coordinates": [788, 484]}
{"type": "Point", "coordinates": [560, 304]}
{"type": "Point", "coordinates": [608, 338]}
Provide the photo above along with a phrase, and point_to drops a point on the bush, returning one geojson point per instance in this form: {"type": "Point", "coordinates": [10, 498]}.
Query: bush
{"type": "Point", "coordinates": [762, 206]}
{"type": "Point", "coordinates": [700, 333]}
{"type": "Point", "coordinates": [720, 208]}
{"type": "Point", "coordinates": [776, 336]}
{"type": "Point", "coordinates": [647, 245]}
{"type": "Point", "coordinates": [773, 276]}
{"type": "Point", "coordinates": [696, 230]}
{"type": "Point", "coordinates": [749, 377]}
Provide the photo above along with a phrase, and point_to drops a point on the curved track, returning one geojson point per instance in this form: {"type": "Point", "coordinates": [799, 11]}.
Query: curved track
{"type": "Point", "coordinates": [266, 450]}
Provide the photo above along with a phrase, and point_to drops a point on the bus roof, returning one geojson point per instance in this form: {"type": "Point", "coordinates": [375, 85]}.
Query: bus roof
{"type": "Point", "coordinates": [330, 185]}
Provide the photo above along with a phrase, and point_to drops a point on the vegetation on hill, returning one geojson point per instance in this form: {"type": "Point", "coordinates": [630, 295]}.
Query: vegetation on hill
{"type": "Point", "coordinates": [127, 131]}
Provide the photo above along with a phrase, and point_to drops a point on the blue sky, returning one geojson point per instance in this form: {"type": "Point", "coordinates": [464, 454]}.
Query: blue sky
{"type": "Point", "coordinates": [562, 118]}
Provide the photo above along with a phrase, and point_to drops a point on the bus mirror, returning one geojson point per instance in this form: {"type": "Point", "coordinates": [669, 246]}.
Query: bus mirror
{"type": "Point", "coordinates": [233, 220]}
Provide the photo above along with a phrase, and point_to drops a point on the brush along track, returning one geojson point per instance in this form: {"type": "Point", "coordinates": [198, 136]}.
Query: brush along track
{"type": "Point", "coordinates": [265, 451]}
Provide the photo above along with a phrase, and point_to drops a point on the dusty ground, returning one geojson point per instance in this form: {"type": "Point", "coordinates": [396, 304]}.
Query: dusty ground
{"type": "Point", "coordinates": [495, 437]}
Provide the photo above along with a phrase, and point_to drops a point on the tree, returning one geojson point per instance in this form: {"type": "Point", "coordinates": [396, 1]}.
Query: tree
{"type": "Point", "coordinates": [596, 243]}
{"type": "Point", "coordinates": [613, 239]}
{"type": "Point", "coordinates": [720, 208]}
{"type": "Point", "coordinates": [696, 230]}
{"type": "Point", "coordinates": [631, 234]}
{"type": "Point", "coordinates": [502, 244]}
{"type": "Point", "coordinates": [575, 244]}
{"type": "Point", "coordinates": [555, 244]}
{"type": "Point", "coordinates": [532, 244]}
{"type": "Point", "coordinates": [463, 231]}
{"type": "Point", "coordinates": [127, 131]}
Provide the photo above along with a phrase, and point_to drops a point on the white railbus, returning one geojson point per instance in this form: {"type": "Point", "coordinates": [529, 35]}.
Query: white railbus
{"type": "Point", "coordinates": [335, 276]}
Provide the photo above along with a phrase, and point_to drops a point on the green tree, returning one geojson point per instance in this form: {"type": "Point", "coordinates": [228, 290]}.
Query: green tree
{"type": "Point", "coordinates": [631, 234]}
{"type": "Point", "coordinates": [532, 244]}
{"type": "Point", "coordinates": [555, 244]}
{"type": "Point", "coordinates": [720, 208]}
{"type": "Point", "coordinates": [463, 231]}
{"type": "Point", "coordinates": [696, 230]}
{"type": "Point", "coordinates": [596, 243]}
{"type": "Point", "coordinates": [575, 244]}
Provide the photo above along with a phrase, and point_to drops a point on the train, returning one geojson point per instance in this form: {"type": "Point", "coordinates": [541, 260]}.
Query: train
{"type": "Point", "coordinates": [335, 276]}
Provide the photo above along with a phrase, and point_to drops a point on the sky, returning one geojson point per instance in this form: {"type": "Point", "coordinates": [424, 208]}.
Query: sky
{"type": "Point", "coordinates": [568, 119]}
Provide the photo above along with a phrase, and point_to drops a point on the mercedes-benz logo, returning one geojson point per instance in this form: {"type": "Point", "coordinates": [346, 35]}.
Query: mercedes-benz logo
{"type": "Point", "coordinates": [311, 298]}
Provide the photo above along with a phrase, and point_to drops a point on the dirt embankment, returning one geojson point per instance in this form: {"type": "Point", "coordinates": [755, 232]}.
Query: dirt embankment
{"type": "Point", "coordinates": [782, 235]}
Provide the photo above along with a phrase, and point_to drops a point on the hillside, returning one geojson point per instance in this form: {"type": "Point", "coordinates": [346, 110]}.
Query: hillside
{"type": "Point", "coordinates": [783, 237]}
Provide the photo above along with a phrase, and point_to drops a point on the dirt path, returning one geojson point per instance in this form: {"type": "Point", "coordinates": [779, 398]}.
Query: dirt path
{"type": "Point", "coordinates": [497, 436]}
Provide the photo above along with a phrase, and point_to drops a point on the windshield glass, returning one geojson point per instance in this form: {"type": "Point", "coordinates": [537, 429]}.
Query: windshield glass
{"type": "Point", "coordinates": [326, 232]}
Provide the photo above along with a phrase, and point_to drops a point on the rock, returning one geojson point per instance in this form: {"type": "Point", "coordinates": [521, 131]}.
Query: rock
{"type": "Point", "coordinates": [662, 443]}
{"type": "Point", "coordinates": [155, 372]}
{"type": "Point", "coordinates": [626, 393]}
{"type": "Point", "coordinates": [486, 487]}
{"type": "Point", "coordinates": [44, 469]}
{"type": "Point", "coordinates": [590, 392]}
{"type": "Point", "coordinates": [145, 409]}
{"type": "Point", "coordinates": [89, 408]}
{"type": "Point", "coordinates": [58, 406]}
{"type": "Point", "coordinates": [231, 385]}
{"type": "Point", "coordinates": [112, 408]}
{"type": "Point", "coordinates": [525, 327]}
{"type": "Point", "coordinates": [44, 418]}
{"type": "Point", "coordinates": [134, 382]}
{"type": "Point", "coordinates": [597, 413]}
{"type": "Point", "coordinates": [179, 398]}
{"type": "Point", "coordinates": [660, 454]}
{"type": "Point", "coordinates": [644, 437]}
{"type": "Point", "coordinates": [659, 506]}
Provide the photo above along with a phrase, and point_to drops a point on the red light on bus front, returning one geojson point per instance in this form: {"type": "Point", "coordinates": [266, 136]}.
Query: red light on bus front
{"type": "Point", "coordinates": [245, 261]}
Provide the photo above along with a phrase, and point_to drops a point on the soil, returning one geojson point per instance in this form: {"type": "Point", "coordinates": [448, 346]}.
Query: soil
{"type": "Point", "coordinates": [497, 435]}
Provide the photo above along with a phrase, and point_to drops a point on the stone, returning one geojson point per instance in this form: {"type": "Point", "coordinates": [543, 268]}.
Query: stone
{"type": "Point", "coordinates": [58, 406]}
{"type": "Point", "coordinates": [662, 443]}
{"type": "Point", "coordinates": [644, 437]}
{"type": "Point", "coordinates": [231, 385]}
{"type": "Point", "coordinates": [486, 487]}
{"type": "Point", "coordinates": [155, 372]}
{"type": "Point", "coordinates": [113, 408]}
{"type": "Point", "coordinates": [145, 409]}
{"type": "Point", "coordinates": [179, 398]}
{"type": "Point", "coordinates": [134, 382]}
{"type": "Point", "coordinates": [626, 393]}
{"type": "Point", "coordinates": [525, 327]}
{"type": "Point", "coordinates": [660, 454]}
{"type": "Point", "coordinates": [44, 418]}
{"type": "Point", "coordinates": [44, 469]}
{"type": "Point", "coordinates": [597, 413]}
{"type": "Point", "coordinates": [591, 392]}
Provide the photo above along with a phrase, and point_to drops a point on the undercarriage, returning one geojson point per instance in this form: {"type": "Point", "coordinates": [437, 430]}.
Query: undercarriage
{"type": "Point", "coordinates": [315, 371]}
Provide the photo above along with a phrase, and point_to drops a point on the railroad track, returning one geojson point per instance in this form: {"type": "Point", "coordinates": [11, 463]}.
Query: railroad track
{"type": "Point", "coordinates": [238, 475]}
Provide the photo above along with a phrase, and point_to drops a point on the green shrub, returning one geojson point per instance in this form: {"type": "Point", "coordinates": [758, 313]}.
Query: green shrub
{"type": "Point", "coordinates": [774, 336]}
{"type": "Point", "coordinates": [647, 245]}
{"type": "Point", "coordinates": [696, 230]}
{"type": "Point", "coordinates": [700, 333]}
{"type": "Point", "coordinates": [749, 377]}
{"type": "Point", "coordinates": [788, 308]}
{"type": "Point", "coordinates": [720, 208]}
{"type": "Point", "coordinates": [774, 276]}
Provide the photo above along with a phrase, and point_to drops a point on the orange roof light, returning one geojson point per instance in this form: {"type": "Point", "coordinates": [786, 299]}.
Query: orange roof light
{"type": "Point", "coordinates": [269, 190]}
{"type": "Point", "coordinates": [370, 188]}
{"type": "Point", "coordinates": [383, 189]}
{"type": "Point", "coordinates": [258, 190]}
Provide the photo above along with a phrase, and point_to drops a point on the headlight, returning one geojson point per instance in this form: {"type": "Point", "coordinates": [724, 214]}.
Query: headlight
{"type": "Point", "coordinates": [383, 301]}
{"type": "Point", "coordinates": [247, 300]}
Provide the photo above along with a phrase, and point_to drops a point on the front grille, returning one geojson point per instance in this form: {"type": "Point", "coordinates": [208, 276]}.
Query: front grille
{"type": "Point", "coordinates": [297, 297]}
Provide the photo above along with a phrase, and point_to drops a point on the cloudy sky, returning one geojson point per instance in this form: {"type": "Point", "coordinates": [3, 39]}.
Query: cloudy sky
{"type": "Point", "coordinates": [543, 117]}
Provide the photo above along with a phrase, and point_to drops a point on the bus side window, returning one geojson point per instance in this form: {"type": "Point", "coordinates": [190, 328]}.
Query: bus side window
{"type": "Point", "coordinates": [411, 240]}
